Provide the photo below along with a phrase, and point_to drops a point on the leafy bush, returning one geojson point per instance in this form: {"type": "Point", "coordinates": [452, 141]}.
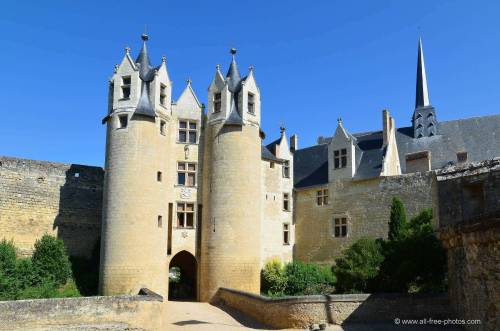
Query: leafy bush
{"type": "Point", "coordinates": [296, 278]}
{"type": "Point", "coordinates": [304, 278]}
{"type": "Point", "coordinates": [397, 222]}
{"type": "Point", "coordinates": [51, 259]}
{"type": "Point", "coordinates": [274, 280]}
{"type": "Point", "coordinates": [38, 277]}
{"type": "Point", "coordinates": [358, 268]}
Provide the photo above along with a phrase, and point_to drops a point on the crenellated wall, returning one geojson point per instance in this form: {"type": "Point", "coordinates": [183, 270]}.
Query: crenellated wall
{"type": "Point", "coordinates": [38, 197]}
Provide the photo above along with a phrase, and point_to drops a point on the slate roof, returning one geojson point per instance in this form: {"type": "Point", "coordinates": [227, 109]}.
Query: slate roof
{"type": "Point", "coordinates": [267, 155]}
{"type": "Point", "coordinates": [478, 136]}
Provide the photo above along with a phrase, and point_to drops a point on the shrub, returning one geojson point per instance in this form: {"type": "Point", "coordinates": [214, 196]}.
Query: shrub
{"type": "Point", "coordinates": [359, 266]}
{"type": "Point", "coordinates": [303, 278]}
{"type": "Point", "coordinates": [51, 259]}
{"type": "Point", "coordinates": [7, 257]}
{"type": "Point", "coordinates": [397, 221]}
{"type": "Point", "coordinates": [273, 278]}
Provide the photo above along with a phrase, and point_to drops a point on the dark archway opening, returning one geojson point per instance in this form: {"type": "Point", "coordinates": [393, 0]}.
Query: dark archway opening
{"type": "Point", "coordinates": [182, 277]}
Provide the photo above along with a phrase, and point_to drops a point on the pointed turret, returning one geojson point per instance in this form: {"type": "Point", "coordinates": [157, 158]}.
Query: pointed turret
{"type": "Point", "coordinates": [422, 93]}
{"type": "Point", "coordinates": [233, 73]}
{"type": "Point", "coordinates": [424, 117]}
{"type": "Point", "coordinates": [146, 74]}
{"type": "Point", "coordinates": [233, 78]}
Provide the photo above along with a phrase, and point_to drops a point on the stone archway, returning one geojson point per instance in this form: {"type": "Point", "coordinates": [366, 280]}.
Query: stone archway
{"type": "Point", "coordinates": [182, 277]}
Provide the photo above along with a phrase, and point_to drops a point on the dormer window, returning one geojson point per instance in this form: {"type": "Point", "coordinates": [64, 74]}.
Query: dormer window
{"type": "Point", "coordinates": [163, 95]}
{"type": "Point", "coordinates": [217, 102]}
{"type": "Point", "coordinates": [126, 82]}
{"type": "Point", "coordinates": [251, 103]}
{"type": "Point", "coordinates": [462, 157]}
{"type": "Point", "coordinates": [122, 121]}
{"type": "Point", "coordinates": [340, 158]}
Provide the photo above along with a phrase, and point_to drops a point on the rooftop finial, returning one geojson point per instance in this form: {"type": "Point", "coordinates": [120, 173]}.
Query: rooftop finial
{"type": "Point", "coordinates": [233, 51]}
{"type": "Point", "coordinates": [339, 120]}
{"type": "Point", "coordinates": [163, 58]}
{"type": "Point", "coordinates": [127, 49]}
{"type": "Point", "coordinates": [188, 81]}
{"type": "Point", "coordinates": [250, 68]}
{"type": "Point", "coordinates": [144, 37]}
{"type": "Point", "coordinates": [282, 129]}
{"type": "Point", "coordinates": [217, 67]}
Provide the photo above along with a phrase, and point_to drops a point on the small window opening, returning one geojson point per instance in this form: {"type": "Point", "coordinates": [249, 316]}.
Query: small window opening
{"type": "Point", "coordinates": [462, 157]}
{"type": "Point", "coordinates": [286, 202]}
{"type": "Point", "coordinates": [126, 82]}
{"type": "Point", "coordinates": [322, 197]}
{"type": "Point", "coordinates": [286, 169]}
{"type": "Point", "coordinates": [188, 132]}
{"type": "Point", "coordinates": [217, 102]}
{"type": "Point", "coordinates": [159, 176]}
{"type": "Point", "coordinates": [340, 227]}
{"type": "Point", "coordinates": [123, 121]}
{"type": "Point", "coordinates": [77, 174]}
{"type": "Point", "coordinates": [271, 165]}
{"type": "Point", "coordinates": [286, 234]}
{"type": "Point", "coordinates": [251, 103]}
{"type": "Point", "coordinates": [163, 127]}
{"type": "Point", "coordinates": [163, 95]}
{"type": "Point", "coordinates": [160, 221]}
{"type": "Point", "coordinates": [185, 215]}
{"type": "Point", "coordinates": [186, 174]}
{"type": "Point", "coordinates": [340, 158]}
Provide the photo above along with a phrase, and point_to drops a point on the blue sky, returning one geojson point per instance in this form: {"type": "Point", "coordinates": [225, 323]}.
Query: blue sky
{"type": "Point", "coordinates": [314, 61]}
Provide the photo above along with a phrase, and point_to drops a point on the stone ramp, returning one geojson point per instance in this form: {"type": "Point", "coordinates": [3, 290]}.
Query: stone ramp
{"type": "Point", "coordinates": [87, 327]}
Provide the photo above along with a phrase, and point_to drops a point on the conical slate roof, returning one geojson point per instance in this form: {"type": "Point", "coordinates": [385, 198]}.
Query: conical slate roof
{"type": "Point", "coordinates": [234, 86]}
{"type": "Point", "coordinates": [146, 74]}
{"type": "Point", "coordinates": [233, 73]}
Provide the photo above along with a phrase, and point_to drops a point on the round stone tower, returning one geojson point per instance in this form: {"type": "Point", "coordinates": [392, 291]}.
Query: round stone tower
{"type": "Point", "coordinates": [133, 241]}
{"type": "Point", "coordinates": [231, 225]}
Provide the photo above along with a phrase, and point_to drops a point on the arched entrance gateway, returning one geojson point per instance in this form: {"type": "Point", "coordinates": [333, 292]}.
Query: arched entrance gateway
{"type": "Point", "coordinates": [182, 277]}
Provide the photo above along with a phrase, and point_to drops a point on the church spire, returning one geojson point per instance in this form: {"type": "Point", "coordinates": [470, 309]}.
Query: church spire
{"type": "Point", "coordinates": [422, 93]}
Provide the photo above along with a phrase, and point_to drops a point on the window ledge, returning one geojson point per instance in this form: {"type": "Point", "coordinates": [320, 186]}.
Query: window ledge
{"type": "Point", "coordinates": [185, 186]}
{"type": "Point", "coordinates": [186, 143]}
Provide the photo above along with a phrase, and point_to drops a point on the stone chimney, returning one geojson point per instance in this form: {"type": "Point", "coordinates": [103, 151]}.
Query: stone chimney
{"type": "Point", "coordinates": [294, 143]}
{"type": "Point", "coordinates": [387, 122]}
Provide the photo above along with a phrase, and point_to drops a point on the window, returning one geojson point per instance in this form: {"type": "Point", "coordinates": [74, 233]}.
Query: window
{"type": "Point", "coordinates": [340, 158]}
{"type": "Point", "coordinates": [122, 121]}
{"type": "Point", "coordinates": [217, 102]}
{"type": "Point", "coordinates": [159, 176]}
{"type": "Point", "coordinates": [286, 234]}
{"type": "Point", "coordinates": [163, 127]}
{"type": "Point", "coordinates": [462, 157]}
{"type": "Point", "coordinates": [126, 81]}
{"type": "Point", "coordinates": [322, 197]}
{"type": "Point", "coordinates": [286, 201]}
{"type": "Point", "coordinates": [160, 221]}
{"type": "Point", "coordinates": [251, 103]}
{"type": "Point", "coordinates": [340, 227]}
{"type": "Point", "coordinates": [271, 165]}
{"type": "Point", "coordinates": [185, 215]}
{"type": "Point", "coordinates": [163, 95]}
{"type": "Point", "coordinates": [186, 174]}
{"type": "Point", "coordinates": [187, 132]}
{"type": "Point", "coordinates": [286, 169]}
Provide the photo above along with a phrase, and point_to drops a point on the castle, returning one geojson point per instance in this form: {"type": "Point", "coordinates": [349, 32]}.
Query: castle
{"type": "Point", "coordinates": [196, 188]}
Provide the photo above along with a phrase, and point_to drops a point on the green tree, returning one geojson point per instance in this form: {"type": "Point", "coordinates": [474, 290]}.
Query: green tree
{"type": "Point", "coordinates": [358, 268]}
{"type": "Point", "coordinates": [51, 259]}
{"type": "Point", "coordinates": [397, 222]}
{"type": "Point", "coordinates": [7, 257]}
{"type": "Point", "coordinates": [273, 278]}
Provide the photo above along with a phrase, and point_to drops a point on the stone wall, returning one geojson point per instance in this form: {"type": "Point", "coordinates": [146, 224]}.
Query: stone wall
{"type": "Point", "coordinates": [365, 203]}
{"type": "Point", "coordinates": [467, 205]}
{"type": "Point", "coordinates": [38, 197]}
{"type": "Point", "coordinates": [302, 311]}
{"type": "Point", "coordinates": [144, 312]}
